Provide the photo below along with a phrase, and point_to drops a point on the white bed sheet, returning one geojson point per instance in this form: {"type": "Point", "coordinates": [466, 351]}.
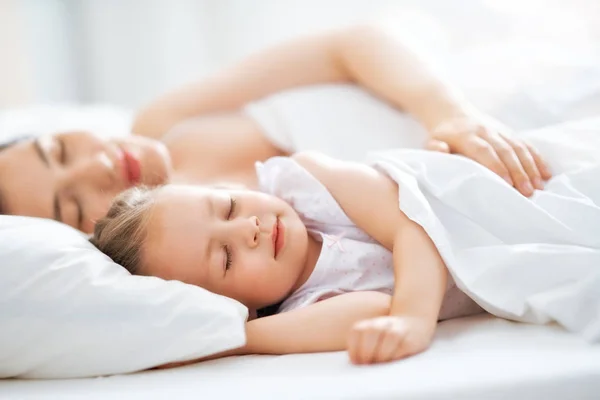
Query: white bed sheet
{"type": "Point", "coordinates": [473, 358]}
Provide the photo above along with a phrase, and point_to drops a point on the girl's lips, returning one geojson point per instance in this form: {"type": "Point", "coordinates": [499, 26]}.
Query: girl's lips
{"type": "Point", "coordinates": [132, 168]}
{"type": "Point", "coordinates": [278, 237]}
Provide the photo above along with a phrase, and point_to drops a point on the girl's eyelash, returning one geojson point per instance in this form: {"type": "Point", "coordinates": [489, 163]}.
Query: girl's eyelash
{"type": "Point", "coordinates": [232, 204]}
{"type": "Point", "coordinates": [228, 259]}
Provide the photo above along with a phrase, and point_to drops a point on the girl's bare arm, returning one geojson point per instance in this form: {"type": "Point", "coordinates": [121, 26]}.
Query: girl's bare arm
{"type": "Point", "coordinates": [320, 327]}
{"type": "Point", "coordinates": [371, 201]}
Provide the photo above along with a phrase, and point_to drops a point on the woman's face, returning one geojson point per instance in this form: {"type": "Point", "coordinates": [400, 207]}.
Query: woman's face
{"type": "Point", "coordinates": [242, 244]}
{"type": "Point", "coordinates": [72, 177]}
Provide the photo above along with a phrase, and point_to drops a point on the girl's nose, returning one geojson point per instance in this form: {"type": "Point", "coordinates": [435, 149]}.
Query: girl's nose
{"type": "Point", "coordinates": [254, 233]}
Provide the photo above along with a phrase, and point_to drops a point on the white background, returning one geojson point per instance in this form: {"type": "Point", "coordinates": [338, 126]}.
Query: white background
{"type": "Point", "coordinates": [124, 52]}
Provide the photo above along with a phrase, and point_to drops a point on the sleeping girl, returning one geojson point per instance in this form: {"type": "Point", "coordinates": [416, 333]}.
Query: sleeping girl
{"type": "Point", "coordinates": [323, 245]}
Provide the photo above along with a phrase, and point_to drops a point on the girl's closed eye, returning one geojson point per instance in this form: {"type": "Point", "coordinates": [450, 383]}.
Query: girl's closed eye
{"type": "Point", "coordinates": [232, 205]}
{"type": "Point", "coordinates": [228, 256]}
{"type": "Point", "coordinates": [228, 259]}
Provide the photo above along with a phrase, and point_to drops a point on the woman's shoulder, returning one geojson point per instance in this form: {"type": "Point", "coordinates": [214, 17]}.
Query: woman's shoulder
{"type": "Point", "coordinates": [300, 171]}
{"type": "Point", "coordinates": [218, 144]}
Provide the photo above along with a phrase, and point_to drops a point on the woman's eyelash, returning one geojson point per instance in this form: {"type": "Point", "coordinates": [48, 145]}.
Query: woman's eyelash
{"type": "Point", "coordinates": [62, 157]}
{"type": "Point", "coordinates": [228, 259]}
{"type": "Point", "coordinates": [232, 204]}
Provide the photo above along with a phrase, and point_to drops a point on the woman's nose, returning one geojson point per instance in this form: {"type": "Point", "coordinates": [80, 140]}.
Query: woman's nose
{"type": "Point", "coordinates": [97, 172]}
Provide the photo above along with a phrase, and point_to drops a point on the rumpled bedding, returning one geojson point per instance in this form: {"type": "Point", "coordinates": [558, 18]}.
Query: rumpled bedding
{"type": "Point", "coordinates": [534, 260]}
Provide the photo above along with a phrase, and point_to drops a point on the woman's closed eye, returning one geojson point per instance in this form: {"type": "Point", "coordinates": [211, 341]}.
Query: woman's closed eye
{"type": "Point", "coordinates": [61, 151]}
{"type": "Point", "coordinates": [62, 157]}
{"type": "Point", "coordinates": [232, 205]}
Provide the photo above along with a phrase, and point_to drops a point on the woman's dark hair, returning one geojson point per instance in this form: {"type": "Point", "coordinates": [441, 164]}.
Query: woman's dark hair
{"type": "Point", "coordinates": [13, 141]}
{"type": "Point", "coordinates": [4, 146]}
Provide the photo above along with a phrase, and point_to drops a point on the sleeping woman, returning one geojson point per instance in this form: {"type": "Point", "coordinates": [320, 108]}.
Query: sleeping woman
{"type": "Point", "coordinates": [199, 135]}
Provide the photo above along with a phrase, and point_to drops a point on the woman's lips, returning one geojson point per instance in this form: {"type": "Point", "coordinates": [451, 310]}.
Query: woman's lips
{"type": "Point", "coordinates": [132, 168]}
{"type": "Point", "coordinates": [278, 237]}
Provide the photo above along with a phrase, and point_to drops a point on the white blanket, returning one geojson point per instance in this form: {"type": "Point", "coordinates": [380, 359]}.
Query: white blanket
{"type": "Point", "coordinates": [533, 260]}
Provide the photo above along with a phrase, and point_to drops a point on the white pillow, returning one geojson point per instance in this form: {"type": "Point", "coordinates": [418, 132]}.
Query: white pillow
{"type": "Point", "coordinates": [101, 119]}
{"type": "Point", "coordinates": [343, 121]}
{"type": "Point", "coordinates": [66, 310]}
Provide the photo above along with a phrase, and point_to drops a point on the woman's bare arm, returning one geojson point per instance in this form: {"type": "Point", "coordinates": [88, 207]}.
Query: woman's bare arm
{"type": "Point", "coordinates": [380, 61]}
{"type": "Point", "coordinates": [365, 54]}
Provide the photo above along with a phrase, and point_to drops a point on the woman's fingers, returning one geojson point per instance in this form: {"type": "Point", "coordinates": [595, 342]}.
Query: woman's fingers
{"type": "Point", "coordinates": [539, 162]}
{"type": "Point", "coordinates": [527, 162]}
{"type": "Point", "coordinates": [516, 162]}
{"type": "Point", "coordinates": [479, 150]}
{"type": "Point", "coordinates": [437, 145]}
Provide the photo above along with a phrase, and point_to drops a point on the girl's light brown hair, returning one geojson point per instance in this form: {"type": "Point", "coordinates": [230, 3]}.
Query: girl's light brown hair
{"type": "Point", "coordinates": [122, 232]}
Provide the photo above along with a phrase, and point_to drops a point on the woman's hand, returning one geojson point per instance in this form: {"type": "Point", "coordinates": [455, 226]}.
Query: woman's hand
{"type": "Point", "coordinates": [389, 338]}
{"type": "Point", "coordinates": [491, 144]}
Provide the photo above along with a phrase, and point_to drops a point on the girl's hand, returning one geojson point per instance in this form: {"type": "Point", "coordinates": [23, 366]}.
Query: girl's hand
{"type": "Point", "coordinates": [491, 144]}
{"type": "Point", "coordinates": [389, 338]}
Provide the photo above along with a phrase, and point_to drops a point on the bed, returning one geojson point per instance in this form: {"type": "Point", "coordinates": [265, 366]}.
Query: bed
{"type": "Point", "coordinates": [472, 358]}
{"type": "Point", "coordinates": [479, 357]}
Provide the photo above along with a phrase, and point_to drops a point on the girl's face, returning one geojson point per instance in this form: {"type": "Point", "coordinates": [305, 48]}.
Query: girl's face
{"type": "Point", "coordinates": [242, 244]}
{"type": "Point", "coordinates": [72, 177]}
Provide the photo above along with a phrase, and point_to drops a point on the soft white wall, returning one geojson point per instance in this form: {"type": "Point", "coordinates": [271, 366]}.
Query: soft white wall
{"type": "Point", "coordinates": [48, 38]}
{"type": "Point", "coordinates": [125, 52]}
{"type": "Point", "coordinates": [128, 51]}
{"type": "Point", "coordinates": [15, 75]}
{"type": "Point", "coordinates": [135, 49]}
